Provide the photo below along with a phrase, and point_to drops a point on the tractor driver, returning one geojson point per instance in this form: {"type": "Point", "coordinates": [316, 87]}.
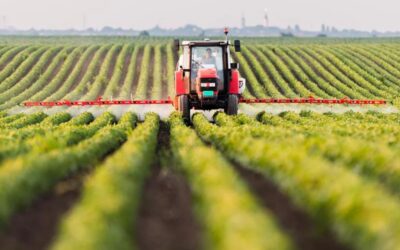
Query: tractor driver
{"type": "Point", "coordinates": [208, 58]}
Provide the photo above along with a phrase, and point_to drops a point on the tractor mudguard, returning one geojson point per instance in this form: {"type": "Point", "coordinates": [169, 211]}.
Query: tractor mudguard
{"type": "Point", "coordinates": [181, 83]}
{"type": "Point", "coordinates": [234, 83]}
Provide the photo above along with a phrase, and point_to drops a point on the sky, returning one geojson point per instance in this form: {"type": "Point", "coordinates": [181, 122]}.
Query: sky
{"type": "Point", "coordinates": [382, 15]}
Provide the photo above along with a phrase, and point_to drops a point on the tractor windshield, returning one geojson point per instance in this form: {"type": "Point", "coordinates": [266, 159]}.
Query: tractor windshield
{"type": "Point", "coordinates": [205, 57]}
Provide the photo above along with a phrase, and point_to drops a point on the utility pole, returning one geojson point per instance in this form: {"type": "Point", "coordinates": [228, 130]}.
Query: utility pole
{"type": "Point", "coordinates": [243, 21]}
{"type": "Point", "coordinates": [266, 19]}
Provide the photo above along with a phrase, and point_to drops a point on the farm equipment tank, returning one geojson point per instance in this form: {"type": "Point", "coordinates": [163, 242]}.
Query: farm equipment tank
{"type": "Point", "coordinates": [206, 77]}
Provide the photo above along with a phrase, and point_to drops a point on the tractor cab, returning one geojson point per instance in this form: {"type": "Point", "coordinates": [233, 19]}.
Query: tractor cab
{"type": "Point", "coordinates": [206, 77]}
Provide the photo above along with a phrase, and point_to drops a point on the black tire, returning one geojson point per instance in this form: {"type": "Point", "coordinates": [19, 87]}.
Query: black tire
{"type": "Point", "coordinates": [232, 105]}
{"type": "Point", "coordinates": [184, 107]}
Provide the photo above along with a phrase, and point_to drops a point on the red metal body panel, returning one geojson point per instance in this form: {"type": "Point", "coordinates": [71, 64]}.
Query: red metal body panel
{"type": "Point", "coordinates": [207, 73]}
{"type": "Point", "coordinates": [180, 85]}
{"type": "Point", "coordinates": [234, 83]}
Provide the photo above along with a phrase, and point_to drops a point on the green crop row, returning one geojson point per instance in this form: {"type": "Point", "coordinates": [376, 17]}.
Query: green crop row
{"type": "Point", "coordinates": [156, 91]}
{"type": "Point", "coordinates": [62, 89]}
{"type": "Point", "coordinates": [33, 86]}
{"type": "Point", "coordinates": [23, 121]}
{"type": "Point", "coordinates": [112, 87]}
{"type": "Point", "coordinates": [230, 215]}
{"type": "Point", "coordinates": [278, 79]}
{"type": "Point", "coordinates": [24, 178]}
{"type": "Point", "coordinates": [126, 90]}
{"type": "Point", "coordinates": [60, 79]}
{"type": "Point", "coordinates": [111, 196]}
{"type": "Point", "coordinates": [336, 70]}
{"type": "Point", "coordinates": [55, 138]}
{"type": "Point", "coordinates": [17, 59]}
{"type": "Point", "coordinates": [142, 84]}
{"type": "Point", "coordinates": [22, 69]}
{"type": "Point", "coordinates": [87, 78]}
{"type": "Point", "coordinates": [102, 79]}
{"type": "Point", "coordinates": [48, 125]}
{"type": "Point", "coordinates": [375, 160]}
{"type": "Point", "coordinates": [360, 212]}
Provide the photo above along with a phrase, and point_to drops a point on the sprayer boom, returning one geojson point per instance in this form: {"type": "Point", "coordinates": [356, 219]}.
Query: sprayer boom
{"type": "Point", "coordinates": [310, 100]}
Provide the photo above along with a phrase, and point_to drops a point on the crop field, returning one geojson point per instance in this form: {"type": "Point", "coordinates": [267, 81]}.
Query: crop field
{"type": "Point", "coordinates": [119, 178]}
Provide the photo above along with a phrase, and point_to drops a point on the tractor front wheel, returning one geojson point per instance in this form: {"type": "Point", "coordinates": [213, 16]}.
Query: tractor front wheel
{"type": "Point", "coordinates": [232, 105]}
{"type": "Point", "coordinates": [184, 108]}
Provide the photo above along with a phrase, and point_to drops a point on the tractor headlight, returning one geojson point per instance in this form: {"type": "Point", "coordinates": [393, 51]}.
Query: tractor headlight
{"type": "Point", "coordinates": [208, 84]}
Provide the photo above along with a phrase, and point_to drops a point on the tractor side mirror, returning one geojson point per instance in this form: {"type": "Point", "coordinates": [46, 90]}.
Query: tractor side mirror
{"type": "Point", "coordinates": [234, 65]}
{"type": "Point", "coordinates": [237, 46]}
{"type": "Point", "coordinates": [176, 44]}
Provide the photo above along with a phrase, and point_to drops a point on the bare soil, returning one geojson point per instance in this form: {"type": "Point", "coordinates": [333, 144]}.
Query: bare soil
{"type": "Point", "coordinates": [151, 83]}
{"type": "Point", "coordinates": [299, 226]}
{"type": "Point", "coordinates": [84, 68]}
{"type": "Point", "coordinates": [138, 66]}
{"type": "Point", "coordinates": [166, 220]}
{"type": "Point", "coordinates": [164, 83]}
{"type": "Point", "coordinates": [112, 64]}
{"type": "Point", "coordinates": [127, 61]}
{"type": "Point", "coordinates": [276, 85]}
{"type": "Point", "coordinates": [11, 57]}
{"type": "Point", "coordinates": [35, 227]}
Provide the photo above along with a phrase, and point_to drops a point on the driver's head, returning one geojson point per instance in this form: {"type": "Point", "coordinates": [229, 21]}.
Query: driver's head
{"type": "Point", "coordinates": [208, 52]}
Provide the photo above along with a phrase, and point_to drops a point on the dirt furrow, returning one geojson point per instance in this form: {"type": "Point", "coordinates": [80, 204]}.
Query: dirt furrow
{"type": "Point", "coordinates": [12, 56]}
{"type": "Point", "coordinates": [125, 69]}
{"type": "Point", "coordinates": [166, 220]}
{"type": "Point", "coordinates": [112, 64]}
{"type": "Point", "coordinates": [271, 77]}
{"type": "Point", "coordinates": [139, 60]}
{"type": "Point", "coordinates": [35, 227]}
{"type": "Point", "coordinates": [304, 233]}
{"type": "Point", "coordinates": [150, 81]}
{"type": "Point", "coordinates": [83, 70]}
{"type": "Point", "coordinates": [164, 70]}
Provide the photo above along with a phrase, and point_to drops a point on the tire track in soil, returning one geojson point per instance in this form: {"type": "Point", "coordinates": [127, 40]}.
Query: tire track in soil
{"type": "Point", "coordinates": [35, 227]}
{"type": "Point", "coordinates": [166, 220]}
{"type": "Point", "coordinates": [296, 223]}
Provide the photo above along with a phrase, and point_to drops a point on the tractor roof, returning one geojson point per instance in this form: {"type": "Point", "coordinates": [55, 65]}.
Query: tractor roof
{"type": "Point", "coordinates": [205, 43]}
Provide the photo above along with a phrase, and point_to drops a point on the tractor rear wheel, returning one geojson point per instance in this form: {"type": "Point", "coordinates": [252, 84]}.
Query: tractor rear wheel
{"type": "Point", "coordinates": [232, 105]}
{"type": "Point", "coordinates": [184, 107]}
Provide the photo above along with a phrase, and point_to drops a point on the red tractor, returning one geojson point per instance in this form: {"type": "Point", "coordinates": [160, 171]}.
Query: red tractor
{"type": "Point", "coordinates": [206, 78]}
